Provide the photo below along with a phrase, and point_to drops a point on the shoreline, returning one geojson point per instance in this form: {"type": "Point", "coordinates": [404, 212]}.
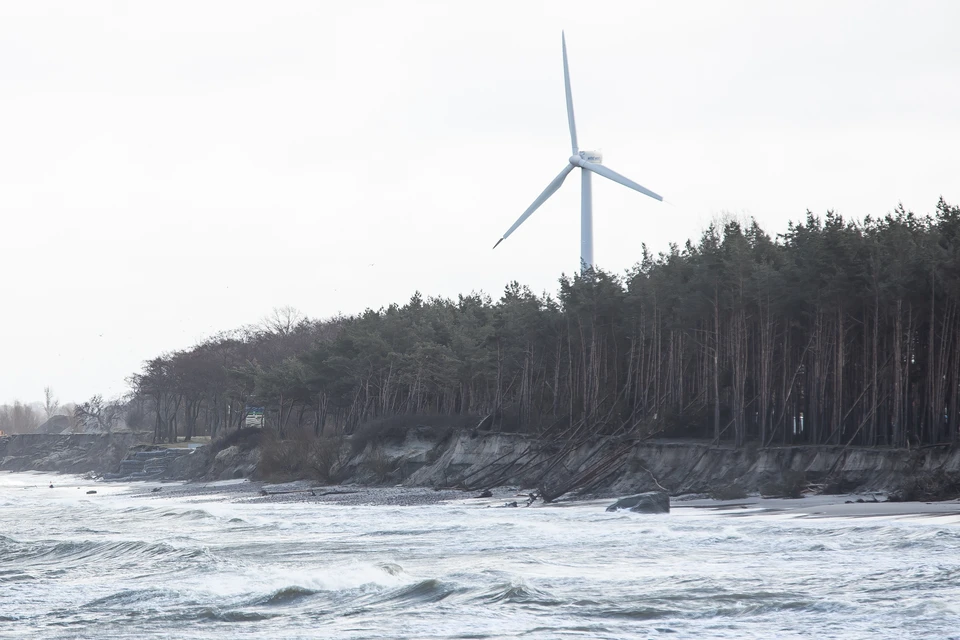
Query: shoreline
{"type": "Point", "coordinates": [245, 491]}
{"type": "Point", "coordinates": [843, 506]}
{"type": "Point", "coordinates": [429, 466]}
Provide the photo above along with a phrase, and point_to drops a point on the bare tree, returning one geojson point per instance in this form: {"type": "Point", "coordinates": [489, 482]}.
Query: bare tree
{"type": "Point", "coordinates": [50, 403]}
{"type": "Point", "coordinates": [100, 414]}
{"type": "Point", "coordinates": [282, 320]}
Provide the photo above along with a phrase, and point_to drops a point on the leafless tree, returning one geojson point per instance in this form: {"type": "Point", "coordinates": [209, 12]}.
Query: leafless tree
{"type": "Point", "coordinates": [50, 403]}
{"type": "Point", "coordinates": [282, 320]}
{"type": "Point", "coordinates": [104, 415]}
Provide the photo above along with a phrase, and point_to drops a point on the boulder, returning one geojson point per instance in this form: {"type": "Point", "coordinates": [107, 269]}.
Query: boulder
{"type": "Point", "coordinates": [233, 462]}
{"type": "Point", "coordinates": [650, 502]}
{"type": "Point", "coordinates": [191, 466]}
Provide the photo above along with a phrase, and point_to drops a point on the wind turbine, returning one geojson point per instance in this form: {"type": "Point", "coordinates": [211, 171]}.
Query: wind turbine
{"type": "Point", "coordinates": [589, 162]}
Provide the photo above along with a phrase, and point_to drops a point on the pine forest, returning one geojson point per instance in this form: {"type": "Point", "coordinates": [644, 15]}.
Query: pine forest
{"type": "Point", "coordinates": [834, 332]}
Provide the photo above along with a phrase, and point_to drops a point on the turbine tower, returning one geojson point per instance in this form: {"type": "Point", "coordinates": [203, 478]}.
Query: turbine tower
{"type": "Point", "coordinates": [589, 162]}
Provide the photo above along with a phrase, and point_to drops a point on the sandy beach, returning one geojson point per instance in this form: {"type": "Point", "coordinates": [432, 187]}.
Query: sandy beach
{"type": "Point", "coordinates": [867, 505]}
{"type": "Point", "coordinates": [835, 506]}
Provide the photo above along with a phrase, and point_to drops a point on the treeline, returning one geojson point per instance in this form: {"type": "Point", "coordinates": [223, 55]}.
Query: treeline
{"type": "Point", "coordinates": [21, 417]}
{"type": "Point", "coordinates": [834, 332]}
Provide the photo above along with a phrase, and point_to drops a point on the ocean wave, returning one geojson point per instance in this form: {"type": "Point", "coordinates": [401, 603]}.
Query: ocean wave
{"type": "Point", "coordinates": [747, 607]}
{"type": "Point", "coordinates": [286, 595]}
{"type": "Point", "coordinates": [185, 598]}
{"type": "Point", "coordinates": [229, 615]}
{"type": "Point", "coordinates": [127, 597]}
{"type": "Point", "coordinates": [15, 575]}
{"type": "Point", "coordinates": [49, 553]}
{"type": "Point", "coordinates": [925, 538]}
{"type": "Point", "coordinates": [636, 613]}
{"type": "Point", "coordinates": [391, 568]}
{"type": "Point", "coordinates": [517, 592]}
{"type": "Point", "coordinates": [906, 579]}
{"type": "Point", "coordinates": [156, 604]}
{"type": "Point", "coordinates": [411, 532]}
{"type": "Point", "coordinates": [424, 591]}
{"type": "Point", "coordinates": [189, 514]}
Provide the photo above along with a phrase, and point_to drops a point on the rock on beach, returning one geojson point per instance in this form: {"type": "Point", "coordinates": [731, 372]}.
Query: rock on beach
{"type": "Point", "coordinates": [650, 502]}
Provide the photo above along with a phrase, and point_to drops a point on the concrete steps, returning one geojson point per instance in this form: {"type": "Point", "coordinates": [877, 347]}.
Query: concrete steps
{"type": "Point", "coordinates": [145, 465]}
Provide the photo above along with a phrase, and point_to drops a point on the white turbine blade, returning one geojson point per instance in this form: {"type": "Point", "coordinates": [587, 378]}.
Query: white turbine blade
{"type": "Point", "coordinates": [601, 170]}
{"type": "Point", "coordinates": [566, 84]}
{"type": "Point", "coordinates": [549, 191]}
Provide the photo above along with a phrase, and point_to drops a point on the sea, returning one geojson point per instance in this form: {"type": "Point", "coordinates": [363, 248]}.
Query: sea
{"type": "Point", "coordinates": [129, 563]}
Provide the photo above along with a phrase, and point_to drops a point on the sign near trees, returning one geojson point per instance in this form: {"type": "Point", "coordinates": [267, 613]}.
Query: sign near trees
{"type": "Point", "coordinates": [254, 417]}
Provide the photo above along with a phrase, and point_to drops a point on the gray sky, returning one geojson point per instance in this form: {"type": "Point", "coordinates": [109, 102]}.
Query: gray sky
{"type": "Point", "coordinates": [168, 170]}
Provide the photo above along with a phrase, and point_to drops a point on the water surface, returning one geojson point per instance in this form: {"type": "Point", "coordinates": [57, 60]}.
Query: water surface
{"type": "Point", "coordinates": [118, 564]}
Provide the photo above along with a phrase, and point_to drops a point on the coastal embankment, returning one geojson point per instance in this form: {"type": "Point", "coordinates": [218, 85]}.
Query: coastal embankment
{"type": "Point", "coordinates": [68, 453]}
{"type": "Point", "coordinates": [468, 459]}
{"type": "Point", "coordinates": [476, 460]}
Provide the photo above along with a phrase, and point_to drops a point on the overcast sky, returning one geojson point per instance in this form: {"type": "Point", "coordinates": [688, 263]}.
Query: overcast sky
{"type": "Point", "coordinates": [172, 169]}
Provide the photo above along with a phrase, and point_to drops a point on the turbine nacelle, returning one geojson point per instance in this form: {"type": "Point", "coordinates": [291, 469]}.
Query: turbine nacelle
{"type": "Point", "coordinates": [583, 157]}
{"type": "Point", "coordinates": [592, 156]}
